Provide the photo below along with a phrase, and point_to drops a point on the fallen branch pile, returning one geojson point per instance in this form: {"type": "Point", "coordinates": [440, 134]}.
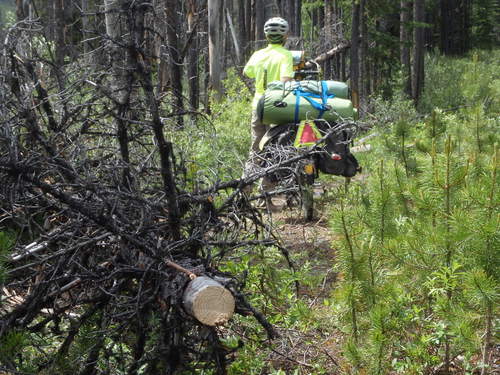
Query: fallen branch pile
{"type": "Point", "coordinates": [109, 230]}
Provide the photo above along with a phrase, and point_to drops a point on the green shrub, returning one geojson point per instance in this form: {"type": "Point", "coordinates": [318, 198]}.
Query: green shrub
{"type": "Point", "coordinates": [216, 148]}
{"type": "Point", "coordinates": [451, 83]}
{"type": "Point", "coordinates": [416, 245]}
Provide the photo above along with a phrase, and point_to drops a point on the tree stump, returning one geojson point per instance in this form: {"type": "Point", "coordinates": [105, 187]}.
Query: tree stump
{"type": "Point", "coordinates": [208, 301]}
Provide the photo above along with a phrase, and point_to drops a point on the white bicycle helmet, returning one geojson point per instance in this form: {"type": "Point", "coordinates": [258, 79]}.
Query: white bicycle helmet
{"type": "Point", "coordinates": [275, 26]}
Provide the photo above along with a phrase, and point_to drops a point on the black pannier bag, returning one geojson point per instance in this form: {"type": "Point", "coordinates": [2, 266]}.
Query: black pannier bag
{"type": "Point", "coordinates": [334, 156]}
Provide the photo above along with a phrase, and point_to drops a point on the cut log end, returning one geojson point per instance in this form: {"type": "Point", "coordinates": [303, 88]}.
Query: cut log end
{"type": "Point", "coordinates": [208, 301]}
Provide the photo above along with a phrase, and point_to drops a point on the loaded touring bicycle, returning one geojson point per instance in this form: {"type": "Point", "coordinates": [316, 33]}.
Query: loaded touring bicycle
{"type": "Point", "coordinates": [311, 125]}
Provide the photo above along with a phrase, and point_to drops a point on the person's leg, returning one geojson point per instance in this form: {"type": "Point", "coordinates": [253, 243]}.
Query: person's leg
{"type": "Point", "coordinates": [254, 160]}
{"type": "Point", "coordinates": [258, 130]}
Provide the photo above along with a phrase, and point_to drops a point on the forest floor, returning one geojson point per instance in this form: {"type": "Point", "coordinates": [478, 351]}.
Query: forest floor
{"type": "Point", "coordinates": [316, 344]}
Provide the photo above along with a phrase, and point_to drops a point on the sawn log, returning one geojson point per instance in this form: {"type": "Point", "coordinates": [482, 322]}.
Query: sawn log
{"type": "Point", "coordinates": [208, 301]}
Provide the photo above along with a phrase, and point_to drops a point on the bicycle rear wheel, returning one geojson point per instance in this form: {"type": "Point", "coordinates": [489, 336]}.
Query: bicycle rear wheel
{"type": "Point", "coordinates": [306, 174]}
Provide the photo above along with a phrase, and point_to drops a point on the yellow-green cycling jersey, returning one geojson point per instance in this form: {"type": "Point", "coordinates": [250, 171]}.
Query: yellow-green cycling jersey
{"type": "Point", "coordinates": [267, 65]}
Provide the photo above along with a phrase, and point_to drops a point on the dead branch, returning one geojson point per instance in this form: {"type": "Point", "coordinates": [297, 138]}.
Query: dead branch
{"type": "Point", "coordinates": [109, 231]}
{"type": "Point", "coordinates": [329, 54]}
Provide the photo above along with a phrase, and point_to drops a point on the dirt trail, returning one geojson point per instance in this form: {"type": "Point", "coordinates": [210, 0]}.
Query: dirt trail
{"type": "Point", "coordinates": [311, 242]}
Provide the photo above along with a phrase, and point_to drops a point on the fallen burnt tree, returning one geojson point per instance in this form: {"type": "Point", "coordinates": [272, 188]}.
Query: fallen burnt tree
{"type": "Point", "coordinates": [111, 235]}
{"type": "Point", "coordinates": [112, 257]}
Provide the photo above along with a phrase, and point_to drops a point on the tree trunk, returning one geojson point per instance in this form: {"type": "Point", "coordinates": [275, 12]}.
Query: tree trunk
{"type": "Point", "coordinates": [343, 67]}
{"type": "Point", "coordinates": [432, 18]}
{"type": "Point", "coordinates": [405, 42]}
{"type": "Point", "coordinates": [21, 10]}
{"type": "Point", "coordinates": [354, 67]}
{"type": "Point", "coordinates": [225, 39]}
{"type": "Point", "coordinates": [454, 26]}
{"type": "Point", "coordinates": [292, 13]}
{"type": "Point", "coordinates": [418, 51]}
{"type": "Point", "coordinates": [288, 7]}
{"type": "Point", "coordinates": [118, 31]}
{"type": "Point", "coordinates": [328, 10]}
{"type": "Point", "coordinates": [242, 31]}
{"type": "Point", "coordinates": [364, 81]}
{"type": "Point", "coordinates": [85, 27]}
{"type": "Point", "coordinates": [279, 10]}
{"type": "Point", "coordinates": [175, 65]}
{"type": "Point", "coordinates": [336, 67]}
{"type": "Point", "coordinates": [260, 19]}
{"type": "Point", "coordinates": [249, 25]}
{"type": "Point", "coordinates": [447, 26]}
{"type": "Point", "coordinates": [206, 61]}
{"type": "Point", "coordinates": [298, 18]}
{"type": "Point", "coordinates": [59, 32]}
{"type": "Point", "coordinates": [321, 17]}
{"type": "Point", "coordinates": [51, 23]}
{"type": "Point", "coordinates": [467, 29]}
{"type": "Point", "coordinates": [234, 37]}
{"type": "Point", "coordinates": [193, 53]}
{"type": "Point", "coordinates": [214, 46]}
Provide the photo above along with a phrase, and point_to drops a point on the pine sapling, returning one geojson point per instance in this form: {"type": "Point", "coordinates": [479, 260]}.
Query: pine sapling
{"type": "Point", "coordinates": [402, 130]}
{"type": "Point", "coordinates": [454, 176]}
{"type": "Point", "coordinates": [489, 272]}
{"type": "Point", "coordinates": [383, 203]}
{"type": "Point", "coordinates": [350, 248]}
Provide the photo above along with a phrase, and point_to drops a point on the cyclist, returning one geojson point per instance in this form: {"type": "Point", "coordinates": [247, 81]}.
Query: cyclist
{"type": "Point", "coordinates": [273, 63]}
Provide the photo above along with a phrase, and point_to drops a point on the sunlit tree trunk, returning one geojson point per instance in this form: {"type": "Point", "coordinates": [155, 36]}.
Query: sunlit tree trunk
{"type": "Point", "coordinates": [364, 82]}
{"type": "Point", "coordinates": [227, 53]}
{"type": "Point", "coordinates": [328, 10]}
{"type": "Point", "coordinates": [160, 26]}
{"type": "Point", "coordinates": [214, 45]}
{"type": "Point", "coordinates": [354, 67]}
{"type": "Point", "coordinates": [205, 67]}
{"type": "Point", "coordinates": [237, 56]}
{"type": "Point", "coordinates": [85, 27]}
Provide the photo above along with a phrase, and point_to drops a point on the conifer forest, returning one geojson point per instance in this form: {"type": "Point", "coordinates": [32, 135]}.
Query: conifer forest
{"type": "Point", "coordinates": [136, 240]}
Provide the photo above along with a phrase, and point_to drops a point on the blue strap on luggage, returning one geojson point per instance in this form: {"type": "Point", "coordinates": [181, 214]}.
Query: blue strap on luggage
{"type": "Point", "coordinates": [322, 107]}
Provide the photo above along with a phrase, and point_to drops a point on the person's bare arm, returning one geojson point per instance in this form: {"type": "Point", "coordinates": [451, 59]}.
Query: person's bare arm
{"type": "Point", "coordinates": [286, 79]}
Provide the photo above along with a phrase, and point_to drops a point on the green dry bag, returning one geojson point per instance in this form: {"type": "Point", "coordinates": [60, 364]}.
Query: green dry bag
{"type": "Point", "coordinates": [339, 89]}
{"type": "Point", "coordinates": [276, 107]}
